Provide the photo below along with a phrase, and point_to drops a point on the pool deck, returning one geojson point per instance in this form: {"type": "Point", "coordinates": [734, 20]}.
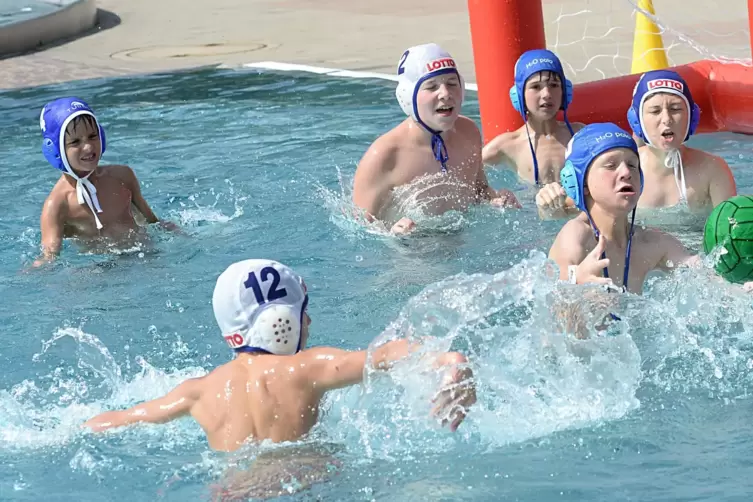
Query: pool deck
{"type": "Point", "coordinates": [140, 36]}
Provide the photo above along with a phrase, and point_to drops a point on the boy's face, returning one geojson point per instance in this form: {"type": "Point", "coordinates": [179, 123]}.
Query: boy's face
{"type": "Point", "coordinates": [438, 101]}
{"type": "Point", "coordinates": [665, 120]}
{"type": "Point", "coordinates": [543, 95]}
{"type": "Point", "coordinates": [613, 180]}
{"type": "Point", "coordinates": [82, 144]}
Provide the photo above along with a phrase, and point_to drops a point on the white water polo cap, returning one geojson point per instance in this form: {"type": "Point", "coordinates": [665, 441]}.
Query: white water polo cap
{"type": "Point", "coordinates": [259, 307]}
{"type": "Point", "coordinates": [418, 64]}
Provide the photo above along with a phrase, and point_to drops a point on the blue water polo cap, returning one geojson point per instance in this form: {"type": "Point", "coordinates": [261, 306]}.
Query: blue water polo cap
{"type": "Point", "coordinates": [583, 148]}
{"type": "Point", "coordinates": [54, 120]}
{"type": "Point", "coordinates": [654, 82]}
{"type": "Point", "coordinates": [530, 63]}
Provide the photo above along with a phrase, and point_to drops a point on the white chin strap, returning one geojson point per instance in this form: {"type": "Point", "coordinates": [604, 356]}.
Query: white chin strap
{"type": "Point", "coordinates": [86, 193]}
{"type": "Point", "coordinates": [673, 160]}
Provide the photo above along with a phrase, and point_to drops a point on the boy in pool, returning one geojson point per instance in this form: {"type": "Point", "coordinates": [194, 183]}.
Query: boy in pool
{"type": "Point", "coordinates": [536, 151]}
{"type": "Point", "coordinates": [273, 388]}
{"type": "Point", "coordinates": [434, 138]}
{"type": "Point", "coordinates": [73, 142]}
{"type": "Point", "coordinates": [603, 176]}
{"type": "Point", "coordinates": [664, 116]}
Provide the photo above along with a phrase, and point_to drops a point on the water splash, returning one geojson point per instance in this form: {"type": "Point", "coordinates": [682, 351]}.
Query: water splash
{"type": "Point", "coordinates": [419, 200]}
{"type": "Point", "coordinates": [87, 380]}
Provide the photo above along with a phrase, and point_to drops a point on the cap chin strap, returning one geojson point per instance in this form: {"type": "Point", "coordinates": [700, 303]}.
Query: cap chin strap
{"type": "Point", "coordinates": [673, 160]}
{"type": "Point", "coordinates": [86, 193]}
{"type": "Point", "coordinates": [438, 146]}
{"type": "Point", "coordinates": [533, 151]}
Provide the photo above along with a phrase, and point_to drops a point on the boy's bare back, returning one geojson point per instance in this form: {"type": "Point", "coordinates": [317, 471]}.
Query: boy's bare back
{"type": "Point", "coordinates": [265, 396]}
{"type": "Point", "coordinates": [272, 389]}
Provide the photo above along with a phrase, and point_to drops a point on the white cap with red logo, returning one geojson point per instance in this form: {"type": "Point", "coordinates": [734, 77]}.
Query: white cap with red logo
{"type": "Point", "coordinates": [259, 307]}
{"type": "Point", "coordinates": [417, 64]}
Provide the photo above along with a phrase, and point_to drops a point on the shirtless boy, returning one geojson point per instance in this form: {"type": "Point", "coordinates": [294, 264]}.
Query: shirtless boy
{"type": "Point", "coordinates": [89, 201]}
{"type": "Point", "coordinates": [273, 388]}
{"type": "Point", "coordinates": [603, 176]}
{"type": "Point", "coordinates": [536, 151]}
{"type": "Point", "coordinates": [664, 116]}
{"type": "Point", "coordinates": [434, 144]}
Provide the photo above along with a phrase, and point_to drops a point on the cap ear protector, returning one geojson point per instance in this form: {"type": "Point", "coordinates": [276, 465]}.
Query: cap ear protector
{"type": "Point", "coordinates": [54, 120]}
{"type": "Point", "coordinates": [583, 148]}
{"type": "Point", "coordinates": [529, 64]}
{"type": "Point", "coordinates": [519, 103]}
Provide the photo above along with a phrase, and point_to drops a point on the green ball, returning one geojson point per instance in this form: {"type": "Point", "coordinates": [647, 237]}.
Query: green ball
{"type": "Point", "coordinates": [730, 225]}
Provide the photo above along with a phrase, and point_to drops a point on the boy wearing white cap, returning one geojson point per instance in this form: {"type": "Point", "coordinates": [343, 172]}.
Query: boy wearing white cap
{"type": "Point", "coordinates": [434, 139]}
{"type": "Point", "coordinates": [272, 389]}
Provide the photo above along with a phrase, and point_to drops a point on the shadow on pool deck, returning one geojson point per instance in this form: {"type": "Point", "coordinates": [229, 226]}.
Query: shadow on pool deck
{"type": "Point", "coordinates": [105, 21]}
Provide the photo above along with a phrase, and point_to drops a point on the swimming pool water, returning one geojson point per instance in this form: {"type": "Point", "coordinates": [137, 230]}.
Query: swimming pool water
{"type": "Point", "coordinates": [257, 164]}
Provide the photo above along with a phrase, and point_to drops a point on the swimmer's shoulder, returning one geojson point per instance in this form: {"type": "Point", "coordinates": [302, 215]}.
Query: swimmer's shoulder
{"type": "Point", "coordinates": [574, 240]}
{"type": "Point", "coordinates": [382, 154]}
{"type": "Point", "coordinates": [577, 126]}
{"type": "Point", "coordinates": [57, 202]}
{"type": "Point", "coordinates": [710, 163]}
{"type": "Point", "coordinates": [119, 171]}
{"type": "Point", "coordinates": [503, 148]}
{"type": "Point", "coordinates": [651, 239]}
{"type": "Point", "coordinates": [467, 127]}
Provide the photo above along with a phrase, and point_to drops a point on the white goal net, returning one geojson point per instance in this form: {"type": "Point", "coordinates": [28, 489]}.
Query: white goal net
{"type": "Point", "coordinates": [594, 38]}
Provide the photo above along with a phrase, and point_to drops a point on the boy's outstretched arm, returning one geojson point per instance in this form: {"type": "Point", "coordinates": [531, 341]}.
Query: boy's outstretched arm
{"type": "Point", "coordinates": [174, 404]}
{"type": "Point", "coordinates": [51, 223]}
{"type": "Point", "coordinates": [331, 368]}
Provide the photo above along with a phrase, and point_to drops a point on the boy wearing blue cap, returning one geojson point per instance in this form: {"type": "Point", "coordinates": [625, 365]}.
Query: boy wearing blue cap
{"type": "Point", "coordinates": [602, 175]}
{"type": "Point", "coordinates": [435, 150]}
{"type": "Point", "coordinates": [536, 151]}
{"type": "Point", "coordinates": [89, 201]}
{"type": "Point", "coordinates": [664, 116]}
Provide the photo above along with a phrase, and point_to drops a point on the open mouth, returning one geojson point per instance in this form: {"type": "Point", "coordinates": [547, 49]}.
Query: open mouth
{"type": "Point", "coordinates": [546, 106]}
{"type": "Point", "coordinates": [445, 110]}
{"type": "Point", "coordinates": [89, 158]}
{"type": "Point", "coordinates": [668, 135]}
{"type": "Point", "coordinates": [626, 190]}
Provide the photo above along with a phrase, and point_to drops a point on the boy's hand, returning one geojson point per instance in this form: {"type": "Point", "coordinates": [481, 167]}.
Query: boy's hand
{"type": "Point", "coordinates": [505, 198]}
{"type": "Point", "coordinates": [172, 227]}
{"type": "Point", "coordinates": [458, 391]}
{"type": "Point", "coordinates": [403, 226]}
{"type": "Point", "coordinates": [551, 198]}
{"type": "Point", "coordinates": [591, 269]}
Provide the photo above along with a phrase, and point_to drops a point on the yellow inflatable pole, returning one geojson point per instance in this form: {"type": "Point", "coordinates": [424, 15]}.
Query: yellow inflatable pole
{"type": "Point", "coordinates": [648, 47]}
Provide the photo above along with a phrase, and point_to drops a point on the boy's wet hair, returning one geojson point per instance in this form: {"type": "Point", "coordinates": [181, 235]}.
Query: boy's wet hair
{"type": "Point", "coordinates": [84, 120]}
{"type": "Point", "coordinates": [550, 75]}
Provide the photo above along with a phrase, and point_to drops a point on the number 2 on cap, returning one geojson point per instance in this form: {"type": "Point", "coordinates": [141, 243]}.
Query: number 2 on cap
{"type": "Point", "coordinates": [400, 67]}
{"type": "Point", "coordinates": [273, 293]}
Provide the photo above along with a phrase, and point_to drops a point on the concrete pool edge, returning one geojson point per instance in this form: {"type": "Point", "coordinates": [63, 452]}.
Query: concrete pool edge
{"type": "Point", "coordinates": [329, 72]}
{"type": "Point", "coordinates": [27, 35]}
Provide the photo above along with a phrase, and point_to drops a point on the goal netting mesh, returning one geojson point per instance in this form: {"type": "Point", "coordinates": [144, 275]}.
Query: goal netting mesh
{"type": "Point", "coordinates": [594, 38]}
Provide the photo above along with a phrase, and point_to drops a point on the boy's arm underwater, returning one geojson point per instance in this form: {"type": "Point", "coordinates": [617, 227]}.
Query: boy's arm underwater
{"type": "Point", "coordinates": [52, 222]}
{"type": "Point", "coordinates": [174, 404]}
{"type": "Point", "coordinates": [330, 368]}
